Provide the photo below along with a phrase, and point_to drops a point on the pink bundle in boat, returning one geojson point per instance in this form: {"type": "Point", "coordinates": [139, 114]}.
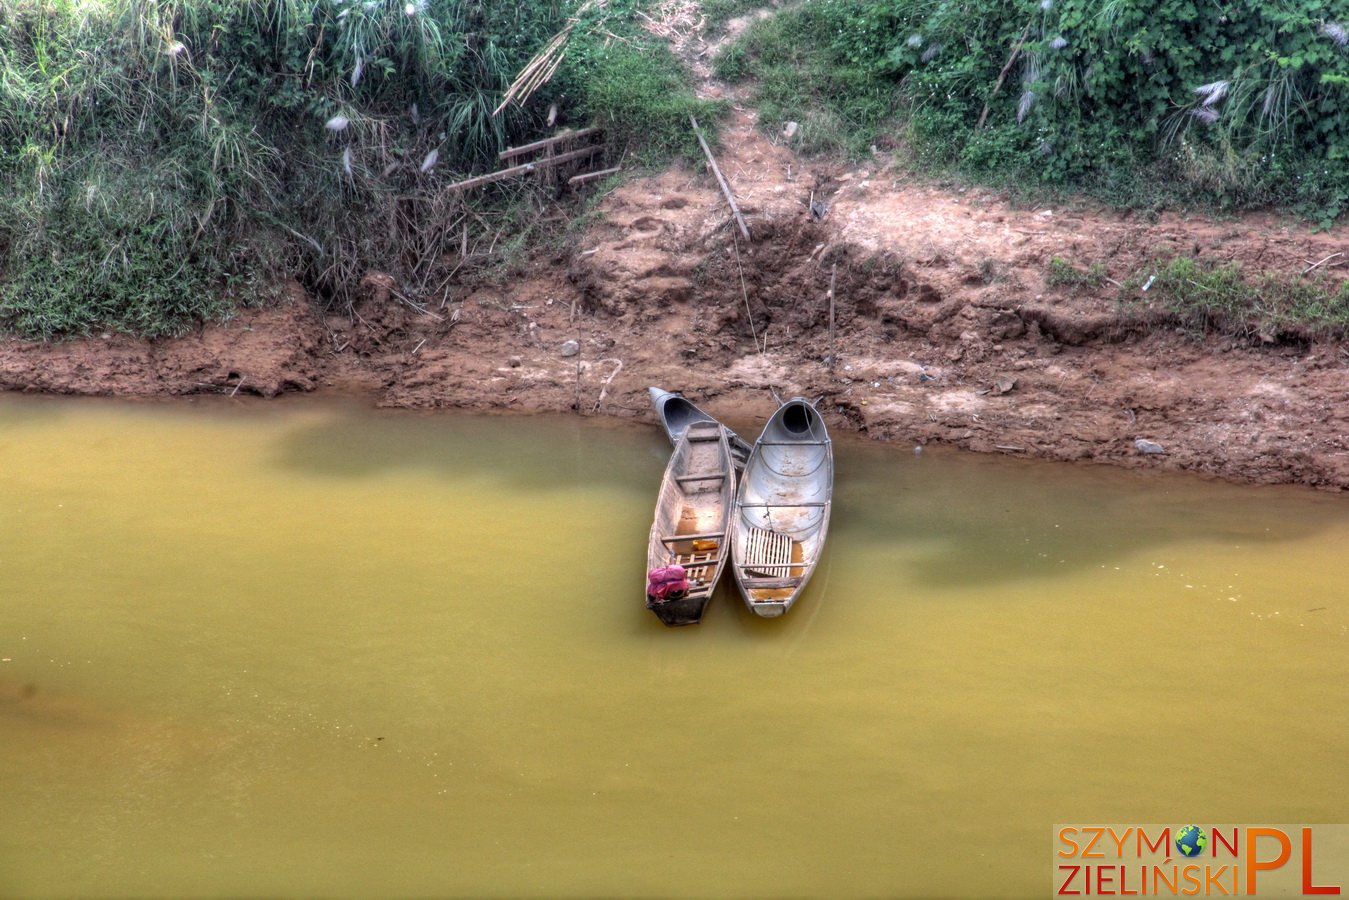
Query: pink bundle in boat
{"type": "Point", "coordinates": [666, 583]}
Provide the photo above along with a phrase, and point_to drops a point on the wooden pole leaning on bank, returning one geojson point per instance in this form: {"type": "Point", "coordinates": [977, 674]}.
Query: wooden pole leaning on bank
{"type": "Point", "coordinates": [1002, 76]}
{"type": "Point", "coordinates": [721, 179]}
{"type": "Point", "coordinates": [833, 351]}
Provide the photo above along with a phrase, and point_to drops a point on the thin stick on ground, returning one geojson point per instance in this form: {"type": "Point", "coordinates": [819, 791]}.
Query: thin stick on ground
{"type": "Point", "coordinates": [591, 176]}
{"type": "Point", "coordinates": [1321, 262]}
{"type": "Point", "coordinates": [833, 350]}
{"type": "Point", "coordinates": [744, 292]}
{"type": "Point", "coordinates": [721, 179]}
{"type": "Point", "coordinates": [604, 388]}
{"type": "Point", "coordinates": [578, 373]}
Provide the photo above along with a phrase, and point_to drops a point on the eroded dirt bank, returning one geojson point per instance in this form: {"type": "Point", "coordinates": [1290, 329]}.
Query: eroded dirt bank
{"type": "Point", "coordinates": [944, 331]}
{"type": "Point", "coordinates": [944, 327]}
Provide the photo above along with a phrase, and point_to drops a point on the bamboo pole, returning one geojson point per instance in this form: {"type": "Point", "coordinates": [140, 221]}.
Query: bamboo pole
{"type": "Point", "coordinates": [1002, 76]}
{"type": "Point", "coordinates": [591, 176]}
{"type": "Point", "coordinates": [578, 373]}
{"type": "Point", "coordinates": [524, 168]}
{"type": "Point", "coordinates": [546, 142]}
{"type": "Point", "coordinates": [833, 350]}
{"type": "Point", "coordinates": [721, 179]}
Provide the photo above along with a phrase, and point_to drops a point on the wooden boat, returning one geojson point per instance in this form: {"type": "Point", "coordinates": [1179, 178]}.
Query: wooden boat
{"type": "Point", "coordinates": [676, 414]}
{"type": "Point", "coordinates": [781, 515]}
{"type": "Point", "coordinates": [692, 516]}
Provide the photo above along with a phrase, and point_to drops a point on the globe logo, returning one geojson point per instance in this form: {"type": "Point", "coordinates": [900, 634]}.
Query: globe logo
{"type": "Point", "coordinates": [1191, 840]}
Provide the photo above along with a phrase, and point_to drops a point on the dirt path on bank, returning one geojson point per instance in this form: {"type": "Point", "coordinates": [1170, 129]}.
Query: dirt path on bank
{"type": "Point", "coordinates": [944, 327]}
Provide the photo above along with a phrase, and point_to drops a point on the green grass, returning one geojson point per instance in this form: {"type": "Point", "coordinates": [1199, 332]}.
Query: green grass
{"type": "Point", "coordinates": [803, 74]}
{"type": "Point", "coordinates": [719, 12]}
{"type": "Point", "coordinates": [1220, 297]}
{"type": "Point", "coordinates": [1064, 274]}
{"type": "Point", "coordinates": [643, 98]}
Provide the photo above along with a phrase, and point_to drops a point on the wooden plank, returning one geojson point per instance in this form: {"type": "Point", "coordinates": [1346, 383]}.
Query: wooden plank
{"type": "Point", "coordinates": [525, 168]}
{"type": "Point", "coordinates": [499, 175]}
{"type": "Point", "coordinates": [566, 157]}
{"type": "Point", "coordinates": [565, 136]}
{"type": "Point", "coordinates": [591, 176]}
{"type": "Point", "coordinates": [716, 170]}
{"type": "Point", "coordinates": [771, 584]}
{"type": "Point", "coordinates": [694, 568]}
{"type": "Point", "coordinates": [689, 479]}
{"type": "Point", "coordinates": [680, 538]}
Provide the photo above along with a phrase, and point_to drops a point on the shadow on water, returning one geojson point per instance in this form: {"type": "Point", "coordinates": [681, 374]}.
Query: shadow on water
{"type": "Point", "coordinates": [527, 452]}
{"type": "Point", "coordinates": [24, 705]}
{"type": "Point", "coordinates": [944, 518]}
{"type": "Point", "coordinates": [953, 519]}
{"type": "Point", "coordinates": [937, 520]}
{"type": "Point", "coordinates": [22, 409]}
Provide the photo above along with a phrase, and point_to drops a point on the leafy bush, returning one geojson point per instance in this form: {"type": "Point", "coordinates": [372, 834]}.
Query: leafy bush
{"type": "Point", "coordinates": [1230, 105]}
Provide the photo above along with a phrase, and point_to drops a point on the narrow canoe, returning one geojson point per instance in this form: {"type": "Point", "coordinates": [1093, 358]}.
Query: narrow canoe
{"type": "Point", "coordinates": [781, 515]}
{"type": "Point", "coordinates": [676, 414]}
{"type": "Point", "coordinates": [692, 517]}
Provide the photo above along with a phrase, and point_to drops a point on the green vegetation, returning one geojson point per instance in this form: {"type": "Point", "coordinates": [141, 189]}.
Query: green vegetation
{"type": "Point", "coordinates": [1064, 274]}
{"type": "Point", "coordinates": [820, 64]}
{"type": "Point", "coordinates": [719, 12]}
{"type": "Point", "coordinates": [162, 160]}
{"type": "Point", "coordinates": [640, 95]}
{"type": "Point", "coordinates": [1220, 297]}
{"type": "Point", "coordinates": [1219, 105]}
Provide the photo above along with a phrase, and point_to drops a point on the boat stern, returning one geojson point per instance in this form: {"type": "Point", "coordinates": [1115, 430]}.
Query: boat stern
{"type": "Point", "coordinates": [769, 609]}
{"type": "Point", "coordinates": [687, 610]}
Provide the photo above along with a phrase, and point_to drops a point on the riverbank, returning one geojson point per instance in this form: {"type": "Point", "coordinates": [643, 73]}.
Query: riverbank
{"type": "Point", "coordinates": [948, 327]}
{"type": "Point", "coordinates": [916, 312]}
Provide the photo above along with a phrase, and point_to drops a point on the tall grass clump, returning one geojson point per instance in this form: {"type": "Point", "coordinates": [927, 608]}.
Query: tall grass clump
{"type": "Point", "coordinates": [163, 160]}
{"type": "Point", "coordinates": [1223, 105]}
{"type": "Point", "coordinates": [1221, 297]}
{"type": "Point", "coordinates": [641, 97]}
{"type": "Point", "coordinates": [821, 64]}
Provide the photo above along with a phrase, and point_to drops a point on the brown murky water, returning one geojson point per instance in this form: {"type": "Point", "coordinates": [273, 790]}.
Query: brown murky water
{"type": "Point", "coordinates": [311, 649]}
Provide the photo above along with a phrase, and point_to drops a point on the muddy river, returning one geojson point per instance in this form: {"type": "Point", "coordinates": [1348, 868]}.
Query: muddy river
{"type": "Point", "coordinates": [310, 648]}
